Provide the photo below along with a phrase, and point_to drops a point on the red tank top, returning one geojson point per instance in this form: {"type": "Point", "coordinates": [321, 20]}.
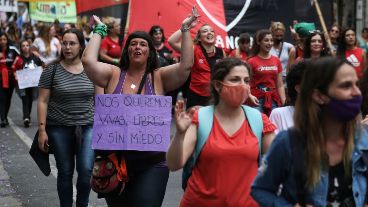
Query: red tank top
{"type": "Point", "coordinates": [201, 72]}
{"type": "Point", "coordinates": [225, 168]}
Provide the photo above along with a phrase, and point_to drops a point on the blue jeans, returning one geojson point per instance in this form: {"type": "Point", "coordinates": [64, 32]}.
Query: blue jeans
{"type": "Point", "coordinates": [66, 146]}
{"type": "Point", "coordinates": [261, 103]}
{"type": "Point", "coordinates": [144, 189]}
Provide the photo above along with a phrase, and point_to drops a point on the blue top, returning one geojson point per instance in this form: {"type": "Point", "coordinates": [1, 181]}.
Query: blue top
{"type": "Point", "coordinates": [277, 169]}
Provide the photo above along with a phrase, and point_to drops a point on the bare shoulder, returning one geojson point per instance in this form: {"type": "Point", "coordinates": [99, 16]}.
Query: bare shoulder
{"type": "Point", "coordinates": [114, 79]}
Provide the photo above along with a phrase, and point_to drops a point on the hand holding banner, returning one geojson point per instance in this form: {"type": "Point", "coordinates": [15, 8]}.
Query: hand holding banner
{"type": "Point", "coordinates": [132, 122]}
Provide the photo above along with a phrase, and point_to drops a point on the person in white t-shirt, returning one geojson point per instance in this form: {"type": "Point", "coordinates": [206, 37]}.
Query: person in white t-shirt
{"type": "Point", "coordinates": [46, 46]}
{"type": "Point", "coordinates": [283, 117]}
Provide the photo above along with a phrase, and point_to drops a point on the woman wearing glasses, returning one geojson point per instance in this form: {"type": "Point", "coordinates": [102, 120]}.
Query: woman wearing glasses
{"type": "Point", "coordinates": [65, 118]}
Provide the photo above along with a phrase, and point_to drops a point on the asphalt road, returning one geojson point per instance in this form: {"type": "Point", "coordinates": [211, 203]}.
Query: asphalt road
{"type": "Point", "coordinates": [23, 184]}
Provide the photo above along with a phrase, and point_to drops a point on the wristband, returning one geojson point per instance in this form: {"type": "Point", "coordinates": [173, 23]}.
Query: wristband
{"type": "Point", "coordinates": [115, 61]}
{"type": "Point", "coordinates": [100, 29]}
{"type": "Point", "coordinates": [184, 29]}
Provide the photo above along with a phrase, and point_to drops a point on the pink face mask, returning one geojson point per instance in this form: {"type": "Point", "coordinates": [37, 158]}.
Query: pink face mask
{"type": "Point", "coordinates": [234, 95]}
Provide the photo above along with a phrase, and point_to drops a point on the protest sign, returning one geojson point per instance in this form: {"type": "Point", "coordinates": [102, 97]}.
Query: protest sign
{"type": "Point", "coordinates": [48, 11]}
{"type": "Point", "coordinates": [132, 122]}
{"type": "Point", "coordinates": [9, 5]}
{"type": "Point", "coordinates": [29, 77]}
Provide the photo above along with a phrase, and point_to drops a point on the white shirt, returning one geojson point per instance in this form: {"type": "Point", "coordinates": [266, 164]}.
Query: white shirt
{"type": "Point", "coordinates": [40, 45]}
{"type": "Point", "coordinates": [284, 56]}
{"type": "Point", "coordinates": [282, 117]}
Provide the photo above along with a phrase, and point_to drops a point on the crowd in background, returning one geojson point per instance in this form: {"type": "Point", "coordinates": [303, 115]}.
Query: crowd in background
{"type": "Point", "coordinates": [267, 69]}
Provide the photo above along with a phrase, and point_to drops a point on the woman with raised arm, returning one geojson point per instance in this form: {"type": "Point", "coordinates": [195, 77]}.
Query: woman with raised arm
{"type": "Point", "coordinates": [229, 145]}
{"type": "Point", "coordinates": [206, 54]}
{"type": "Point", "coordinates": [148, 177]}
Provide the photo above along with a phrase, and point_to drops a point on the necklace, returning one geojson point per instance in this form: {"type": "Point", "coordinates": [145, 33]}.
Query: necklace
{"type": "Point", "coordinates": [132, 85]}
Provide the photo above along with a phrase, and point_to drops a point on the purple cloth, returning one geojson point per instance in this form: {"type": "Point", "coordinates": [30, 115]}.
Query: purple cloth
{"type": "Point", "coordinates": [136, 156]}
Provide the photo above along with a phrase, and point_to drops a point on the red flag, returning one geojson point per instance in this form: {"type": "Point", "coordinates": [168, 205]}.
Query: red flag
{"type": "Point", "coordinates": [169, 15]}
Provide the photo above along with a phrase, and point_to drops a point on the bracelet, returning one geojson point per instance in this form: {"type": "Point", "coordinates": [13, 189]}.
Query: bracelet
{"type": "Point", "coordinates": [115, 61]}
{"type": "Point", "coordinates": [101, 30]}
{"type": "Point", "coordinates": [184, 29]}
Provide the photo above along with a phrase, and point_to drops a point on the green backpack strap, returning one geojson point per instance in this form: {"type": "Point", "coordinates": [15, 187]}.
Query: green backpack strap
{"type": "Point", "coordinates": [255, 121]}
{"type": "Point", "coordinates": [205, 121]}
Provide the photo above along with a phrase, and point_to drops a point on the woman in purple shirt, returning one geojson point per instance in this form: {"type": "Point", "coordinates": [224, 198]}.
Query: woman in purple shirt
{"type": "Point", "coordinates": [147, 171]}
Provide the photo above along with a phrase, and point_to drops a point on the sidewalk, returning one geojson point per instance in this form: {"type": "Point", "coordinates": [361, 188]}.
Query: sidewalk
{"type": "Point", "coordinates": [7, 193]}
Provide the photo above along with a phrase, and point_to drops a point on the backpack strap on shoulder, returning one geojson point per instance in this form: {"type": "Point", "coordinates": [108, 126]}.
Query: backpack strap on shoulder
{"type": "Point", "coordinates": [255, 121]}
{"type": "Point", "coordinates": [205, 122]}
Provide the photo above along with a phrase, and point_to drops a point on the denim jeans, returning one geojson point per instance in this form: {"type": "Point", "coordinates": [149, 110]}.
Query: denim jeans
{"type": "Point", "coordinates": [261, 103]}
{"type": "Point", "coordinates": [144, 189]}
{"type": "Point", "coordinates": [68, 150]}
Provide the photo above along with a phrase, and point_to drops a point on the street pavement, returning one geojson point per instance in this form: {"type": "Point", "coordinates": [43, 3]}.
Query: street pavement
{"type": "Point", "coordinates": [23, 184]}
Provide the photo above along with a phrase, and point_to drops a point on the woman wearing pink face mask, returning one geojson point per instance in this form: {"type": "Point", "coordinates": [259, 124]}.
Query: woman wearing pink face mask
{"type": "Point", "coordinates": [231, 149]}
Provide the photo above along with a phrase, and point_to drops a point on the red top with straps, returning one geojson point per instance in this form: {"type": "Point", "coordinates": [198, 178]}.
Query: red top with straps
{"type": "Point", "coordinates": [355, 57]}
{"type": "Point", "coordinates": [226, 168]}
{"type": "Point", "coordinates": [200, 73]}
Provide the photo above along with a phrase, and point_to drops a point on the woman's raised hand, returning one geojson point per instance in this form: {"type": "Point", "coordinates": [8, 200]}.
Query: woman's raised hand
{"type": "Point", "coordinates": [183, 119]}
{"type": "Point", "coordinates": [97, 20]}
{"type": "Point", "coordinates": [190, 21]}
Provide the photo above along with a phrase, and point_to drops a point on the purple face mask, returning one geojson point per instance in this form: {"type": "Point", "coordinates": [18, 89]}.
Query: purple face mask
{"type": "Point", "coordinates": [345, 110]}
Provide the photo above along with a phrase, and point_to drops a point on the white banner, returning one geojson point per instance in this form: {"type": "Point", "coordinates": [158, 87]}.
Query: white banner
{"type": "Point", "coordinates": [29, 77]}
{"type": "Point", "coordinates": [9, 5]}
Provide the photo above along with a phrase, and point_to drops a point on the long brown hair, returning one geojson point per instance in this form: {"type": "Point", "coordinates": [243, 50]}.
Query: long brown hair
{"type": "Point", "coordinates": [309, 117]}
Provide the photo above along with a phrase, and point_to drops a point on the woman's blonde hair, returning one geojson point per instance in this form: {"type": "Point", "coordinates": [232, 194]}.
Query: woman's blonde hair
{"type": "Point", "coordinates": [110, 23]}
{"type": "Point", "coordinates": [198, 35]}
{"type": "Point", "coordinates": [277, 26]}
{"type": "Point", "coordinates": [309, 117]}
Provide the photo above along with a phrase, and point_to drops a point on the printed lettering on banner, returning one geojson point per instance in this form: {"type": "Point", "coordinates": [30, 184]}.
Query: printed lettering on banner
{"type": "Point", "coordinates": [28, 77]}
{"type": "Point", "coordinates": [132, 122]}
{"type": "Point", "coordinates": [9, 5]}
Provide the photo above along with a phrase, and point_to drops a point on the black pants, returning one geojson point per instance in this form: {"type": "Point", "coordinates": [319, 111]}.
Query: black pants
{"type": "Point", "coordinates": [145, 189]}
{"type": "Point", "coordinates": [5, 98]}
{"type": "Point", "coordinates": [193, 99]}
{"type": "Point", "coordinates": [27, 99]}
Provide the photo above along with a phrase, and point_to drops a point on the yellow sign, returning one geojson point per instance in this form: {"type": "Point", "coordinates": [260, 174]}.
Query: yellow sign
{"type": "Point", "coordinates": [48, 11]}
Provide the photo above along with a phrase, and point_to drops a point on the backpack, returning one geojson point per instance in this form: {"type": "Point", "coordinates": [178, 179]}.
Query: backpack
{"type": "Point", "coordinates": [205, 121]}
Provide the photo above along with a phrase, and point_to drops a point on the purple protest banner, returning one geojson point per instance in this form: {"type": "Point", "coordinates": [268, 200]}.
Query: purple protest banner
{"type": "Point", "coordinates": [132, 122]}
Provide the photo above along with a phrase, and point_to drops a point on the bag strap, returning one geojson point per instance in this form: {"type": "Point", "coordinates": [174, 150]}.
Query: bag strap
{"type": "Point", "coordinates": [218, 55]}
{"type": "Point", "coordinates": [205, 122]}
{"type": "Point", "coordinates": [282, 46]}
{"type": "Point", "coordinates": [141, 84]}
{"type": "Point", "coordinates": [255, 121]}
